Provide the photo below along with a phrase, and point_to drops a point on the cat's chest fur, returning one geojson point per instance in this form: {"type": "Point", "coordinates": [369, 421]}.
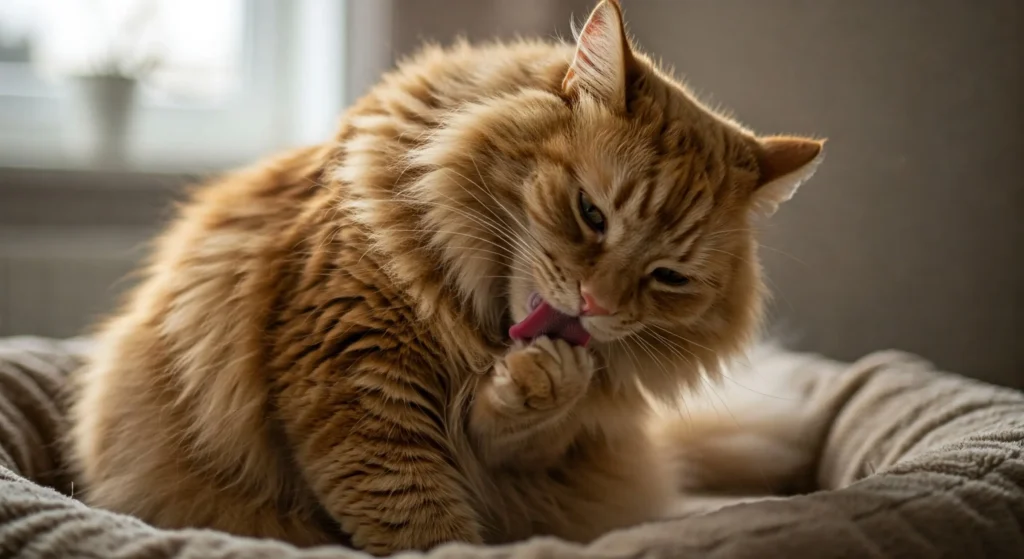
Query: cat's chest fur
{"type": "Point", "coordinates": [343, 325]}
{"type": "Point", "coordinates": [338, 307]}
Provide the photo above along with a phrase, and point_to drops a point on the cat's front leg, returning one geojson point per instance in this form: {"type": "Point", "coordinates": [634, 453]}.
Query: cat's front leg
{"type": "Point", "coordinates": [522, 413]}
{"type": "Point", "coordinates": [372, 444]}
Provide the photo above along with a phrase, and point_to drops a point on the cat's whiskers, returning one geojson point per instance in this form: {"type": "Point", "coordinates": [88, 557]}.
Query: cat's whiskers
{"type": "Point", "coordinates": [508, 256]}
{"type": "Point", "coordinates": [723, 375]}
{"type": "Point", "coordinates": [496, 222]}
{"type": "Point", "coordinates": [727, 253]}
{"type": "Point", "coordinates": [680, 337]}
{"type": "Point", "coordinates": [469, 212]}
{"type": "Point", "coordinates": [487, 191]}
{"type": "Point", "coordinates": [631, 355]}
{"type": "Point", "coordinates": [467, 191]}
{"type": "Point", "coordinates": [465, 211]}
{"type": "Point", "coordinates": [523, 249]}
{"type": "Point", "coordinates": [510, 234]}
{"type": "Point", "coordinates": [484, 224]}
{"type": "Point", "coordinates": [652, 352]}
{"type": "Point", "coordinates": [745, 260]}
{"type": "Point", "coordinates": [506, 252]}
{"type": "Point", "coordinates": [481, 220]}
{"type": "Point", "coordinates": [520, 270]}
{"type": "Point", "coordinates": [672, 346]}
{"type": "Point", "coordinates": [499, 263]}
{"type": "Point", "coordinates": [784, 253]}
{"type": "Point", "coordinates": [682, 407]}
{"type": "Point", "coordinates": [498, 277]}
{"type": "Point", "coordinates": [721, 232]}
{"type": "Point", "coordinates": [768, 279]}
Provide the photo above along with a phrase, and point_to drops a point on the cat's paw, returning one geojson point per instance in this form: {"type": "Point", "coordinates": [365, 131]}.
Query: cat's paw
{"type": "Point", "coordinates": [542, 376]}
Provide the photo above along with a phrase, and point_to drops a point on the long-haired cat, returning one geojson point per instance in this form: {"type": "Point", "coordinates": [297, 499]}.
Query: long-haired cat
{"type": "Point", "coordinates": [320, 348]}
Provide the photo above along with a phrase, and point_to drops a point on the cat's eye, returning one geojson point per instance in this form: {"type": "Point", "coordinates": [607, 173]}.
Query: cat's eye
{"type": "Point", "coordinates": [669, 277]}
{"type": "Point", "coordinates": [590, 214]}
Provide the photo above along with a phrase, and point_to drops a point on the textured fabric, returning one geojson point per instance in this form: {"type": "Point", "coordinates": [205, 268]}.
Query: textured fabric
{"type": "Point", "coordinates": [912, 462]}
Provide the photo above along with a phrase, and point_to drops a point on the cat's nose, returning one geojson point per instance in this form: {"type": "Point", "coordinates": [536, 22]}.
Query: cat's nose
{"type": "Point", "coordinates": [590, 306]}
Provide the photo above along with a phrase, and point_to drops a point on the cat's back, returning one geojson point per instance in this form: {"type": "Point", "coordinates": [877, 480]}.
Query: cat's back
{"type": "Point", "coordinates": [436, 81]}
{"type": "Point", "coordinates": [176, 399]}
{"type": "Point", "coordinates": [171, 403]}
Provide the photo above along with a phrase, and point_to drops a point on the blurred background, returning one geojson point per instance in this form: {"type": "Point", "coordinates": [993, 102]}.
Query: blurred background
{"type": "Point", "coordinates": [911, 235]}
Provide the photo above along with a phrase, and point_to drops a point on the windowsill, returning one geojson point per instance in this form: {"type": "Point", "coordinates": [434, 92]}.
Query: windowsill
{"type": "Point", "coordinates": [25, 167]}
{"type": "Point", "coordinates": [79, 198]}
{"type": "Point", "coordinates": [82, 177]}
{"type": "Point", "coordinates": [37, 134]}
{"type": "Point", "coordinates": [73, 243]}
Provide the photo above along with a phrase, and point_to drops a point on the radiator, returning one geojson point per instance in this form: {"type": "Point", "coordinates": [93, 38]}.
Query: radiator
{"type": "Point", "coordinates": [58, 282]}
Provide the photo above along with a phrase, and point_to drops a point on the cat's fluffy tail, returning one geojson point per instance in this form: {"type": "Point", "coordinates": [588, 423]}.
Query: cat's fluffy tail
{"type": "Point", "coordinates": [757, 432]}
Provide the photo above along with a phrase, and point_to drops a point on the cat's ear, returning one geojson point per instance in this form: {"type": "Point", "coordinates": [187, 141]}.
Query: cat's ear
{"type": "Point", "coordinates": [784, 163]}
{"type": "Point", "coordinates": [603, 64]}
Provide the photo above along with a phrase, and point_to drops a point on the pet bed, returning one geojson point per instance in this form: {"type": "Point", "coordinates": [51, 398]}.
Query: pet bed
{"type": "Point", "coordinates": [910, 462]}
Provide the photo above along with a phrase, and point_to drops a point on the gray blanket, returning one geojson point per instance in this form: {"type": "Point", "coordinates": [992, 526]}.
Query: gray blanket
{"type": "Point", "coordinates": [910, 462]}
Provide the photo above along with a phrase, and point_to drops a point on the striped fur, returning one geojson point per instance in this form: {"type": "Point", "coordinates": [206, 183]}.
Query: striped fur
{"type": "Point", "coordinates": [318, 348]}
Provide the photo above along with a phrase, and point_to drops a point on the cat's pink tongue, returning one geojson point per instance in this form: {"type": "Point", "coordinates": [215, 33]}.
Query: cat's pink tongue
{"type": "Point", "coordinates": [545, 320]}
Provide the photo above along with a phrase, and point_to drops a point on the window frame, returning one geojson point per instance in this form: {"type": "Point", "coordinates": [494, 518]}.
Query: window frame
{"type": "Point", "coordinates": [289, 49]}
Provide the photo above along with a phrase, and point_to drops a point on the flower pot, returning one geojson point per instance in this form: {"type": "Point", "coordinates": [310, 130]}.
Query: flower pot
{"type": "Point", "coordinates": [99, 120]}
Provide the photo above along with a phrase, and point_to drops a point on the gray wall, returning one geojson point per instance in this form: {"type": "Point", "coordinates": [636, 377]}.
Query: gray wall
{"type": "Point", "coordinates": [69, 241]}
{"type": "Point", "coordinates": [912, 234]}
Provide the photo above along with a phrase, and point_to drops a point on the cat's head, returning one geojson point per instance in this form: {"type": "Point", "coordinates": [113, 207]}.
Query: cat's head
{"type": "Point", "coordinates": [640, 209]}
{"type": "Point", "coordinates": [610, 191]}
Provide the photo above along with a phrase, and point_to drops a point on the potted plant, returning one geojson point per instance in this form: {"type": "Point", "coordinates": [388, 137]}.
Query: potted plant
{"type": "Point", "coordinates": [100, 50]}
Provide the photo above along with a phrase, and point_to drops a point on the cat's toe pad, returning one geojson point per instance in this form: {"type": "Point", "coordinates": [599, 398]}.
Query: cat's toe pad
{"type": "Point", "coordinates": [545, 374]}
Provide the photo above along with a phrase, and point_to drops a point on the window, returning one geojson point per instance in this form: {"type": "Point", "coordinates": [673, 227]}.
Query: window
{"type": "Point", "coordinates": [261, 75]}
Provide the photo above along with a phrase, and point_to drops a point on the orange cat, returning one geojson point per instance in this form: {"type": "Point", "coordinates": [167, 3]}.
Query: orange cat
{"type": "Point", "coordinates": [320, 346]}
